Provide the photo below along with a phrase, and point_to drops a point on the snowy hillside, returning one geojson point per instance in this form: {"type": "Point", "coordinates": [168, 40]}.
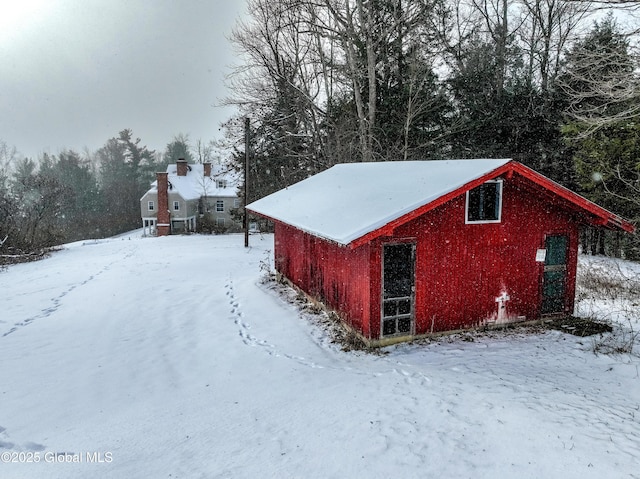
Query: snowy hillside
{"type": "Point", "coordinates": [167, 358]}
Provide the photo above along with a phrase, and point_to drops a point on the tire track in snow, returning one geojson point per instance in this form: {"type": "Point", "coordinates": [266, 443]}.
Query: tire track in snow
{"type": "Point", "coordinates": [56, 301]}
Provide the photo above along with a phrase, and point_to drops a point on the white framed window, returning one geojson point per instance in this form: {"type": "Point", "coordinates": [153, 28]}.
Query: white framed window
{"type": "Point", "coordinates": [221, 183]}
{"type": "Point", "coordinates": [151, 206]}
{"type": "Point", "coordinates": [219, 221]}
{"type": "Point", "coordinates": [236, 203]}
{"type": "Point", "coordinates": [176, 205]}
{"type": "Point", "coordinates": [220, 205]}
{"type": "Point", "coordinates": [484, 203]}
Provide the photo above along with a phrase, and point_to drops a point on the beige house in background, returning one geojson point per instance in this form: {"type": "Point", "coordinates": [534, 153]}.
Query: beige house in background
{"type": "Point", "coordinates": [187, 193]}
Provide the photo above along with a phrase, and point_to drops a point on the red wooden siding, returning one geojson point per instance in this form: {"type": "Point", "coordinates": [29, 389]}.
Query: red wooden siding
{"type": "Point", "coordinates": [338, 276]}
{"type": "Point", "coordinates": [462, 268]}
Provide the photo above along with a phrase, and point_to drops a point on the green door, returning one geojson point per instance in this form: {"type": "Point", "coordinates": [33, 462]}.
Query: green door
{"type": "Point", "coordinates": [554, 281]}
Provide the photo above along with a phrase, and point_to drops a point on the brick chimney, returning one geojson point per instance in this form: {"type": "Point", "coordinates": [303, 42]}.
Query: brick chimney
{"type": "Point", "coordinates": [164, 218]}
{"type": "Point", "coordinates": [182, 167]}
{"type": "Point", "coordinates": [207, 168]}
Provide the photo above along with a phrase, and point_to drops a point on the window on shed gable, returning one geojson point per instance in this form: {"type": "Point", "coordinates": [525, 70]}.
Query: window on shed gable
{"type": "Point", "coordinates": [484, 203]}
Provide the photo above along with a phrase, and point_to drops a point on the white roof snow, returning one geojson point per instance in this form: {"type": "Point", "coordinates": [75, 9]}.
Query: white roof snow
{"type": "Point", "coordinates": [195, 184]}
{"type": "Point", "coordinates": [350, 200]}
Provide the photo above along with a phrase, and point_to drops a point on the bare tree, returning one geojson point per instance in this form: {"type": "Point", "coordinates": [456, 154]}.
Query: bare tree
{"type": "Point", "coordinates": [496, 15]}
{"type": "Point", "coordinates": [8, 155]}
{"type": "Point", "coordinates": [281, 77]}
{"type": "Point", "coordinates": [608, 4]}
{"type": "Point", "coordinates": [354, 22]}
{"type": "Point", "coordinates": [203, 151]}
{"type": "Point", "coordinates": [601, 79]}
{"type": "Point", "coordinates": [602, 99]}
{"type": "Point", "coordinates": [548, 27]}
{"type": "Point", "coordinates": [368, 35]}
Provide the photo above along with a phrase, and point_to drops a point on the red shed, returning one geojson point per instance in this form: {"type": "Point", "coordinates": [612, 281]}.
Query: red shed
{"type": "Point", "coordinates": [402, 249]}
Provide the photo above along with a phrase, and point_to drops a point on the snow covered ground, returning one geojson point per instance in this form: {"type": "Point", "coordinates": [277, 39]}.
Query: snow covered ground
{"type": "Point", "coordinates": [168, 358]}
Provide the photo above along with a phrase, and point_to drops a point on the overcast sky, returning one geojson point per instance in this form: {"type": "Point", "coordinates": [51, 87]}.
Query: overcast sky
{"type": "Point", "coordinates": [73, 73]}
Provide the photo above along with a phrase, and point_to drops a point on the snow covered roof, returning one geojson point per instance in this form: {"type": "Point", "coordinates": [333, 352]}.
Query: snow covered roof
{"type": "Point", "coordinates": [350, 200]}
{"type": "Point", "coordinates": [194, 184]}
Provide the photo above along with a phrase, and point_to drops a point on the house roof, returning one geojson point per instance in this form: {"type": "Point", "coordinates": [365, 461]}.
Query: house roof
{"type": "Point", "coordinates": [352, 203]}
{"type": "Point", "coordinates": [195, 184]}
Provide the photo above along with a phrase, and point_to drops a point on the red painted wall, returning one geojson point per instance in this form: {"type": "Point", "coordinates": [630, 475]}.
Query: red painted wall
{"type": "Point", "coordinates": [460, 268]}
{"type": "Point", "coordinates": [338, 276]}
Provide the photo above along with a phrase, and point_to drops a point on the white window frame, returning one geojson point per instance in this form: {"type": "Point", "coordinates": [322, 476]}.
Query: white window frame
{"type": "Point", "coordinates": [176, 206]}
{"type": "Point", "coordinates": [151, 206]}
{"type": "Point", "coordinates": [220, 206]}
{"type": "Point", "coordinates": [220, 222]}
{"type": "Point", "coordinates": [221, 183]}
{"type": "Point", "coordinates": [499, 182]}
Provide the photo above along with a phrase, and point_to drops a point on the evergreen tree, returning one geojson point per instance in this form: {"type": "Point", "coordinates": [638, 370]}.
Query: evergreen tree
{"type": "Point", "coordinates": [126, 171]}
{"type": "Point", "coordinates": [179, 147]}
{"type": "Point", "coordinates": [80, 216]}
{"type": "Point", "coordinates": [38, 199]}
{"type": "Point", "coordinates": [605, 139]}
{"type": "Point", "coordinates": [503, 114]}
{"type": "Point", "coordinates": [599, 78]}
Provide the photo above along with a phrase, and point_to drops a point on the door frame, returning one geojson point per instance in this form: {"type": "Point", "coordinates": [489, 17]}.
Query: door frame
{"type": "Point", "coordinates": [545, 268]}
{"type": "Point", "coordinates": [412, 298]}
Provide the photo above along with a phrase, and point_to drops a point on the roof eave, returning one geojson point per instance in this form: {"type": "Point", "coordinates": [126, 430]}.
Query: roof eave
{"type": "Point", "coordinates": [392, 225]}
{"type": "Point", "coordinates": [597, 216]}
{"type": "Point", "coordinates": [593, 214]}
{"type": "Point", "coordinates": [323, 237]}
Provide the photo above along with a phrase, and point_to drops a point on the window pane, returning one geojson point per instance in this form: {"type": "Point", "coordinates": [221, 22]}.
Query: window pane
{"type": "Point", "coordinates": [474, 206]}
{"type": "Point", "coordinates": [484, 202]}
{"type": "Point", "coordinates": [404, 306]}
{"type": "Point", "coordinates": [490, 201]}
{"type": "Point", "coordinates": [389, 327]}
{"type": "Point", "coordinates": [398, 270]}
{"type": "Point", "coordinates": [390, 309]}
{"type": "Point", "coordinates": [404, 325]}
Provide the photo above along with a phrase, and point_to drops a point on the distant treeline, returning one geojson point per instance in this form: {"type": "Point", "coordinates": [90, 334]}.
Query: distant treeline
{"type": "Point", "coordinates": [72, 196]}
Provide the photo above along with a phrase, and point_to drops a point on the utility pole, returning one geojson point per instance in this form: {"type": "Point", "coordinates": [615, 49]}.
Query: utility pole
{"type": "Point", "coordinates": [246, 181]}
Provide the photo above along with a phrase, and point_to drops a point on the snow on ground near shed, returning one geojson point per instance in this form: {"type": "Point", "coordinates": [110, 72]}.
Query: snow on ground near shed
{"type": "Point", "coordinates": [609, 289]}
{"type": "Point", "coordinates": [169, 358]}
